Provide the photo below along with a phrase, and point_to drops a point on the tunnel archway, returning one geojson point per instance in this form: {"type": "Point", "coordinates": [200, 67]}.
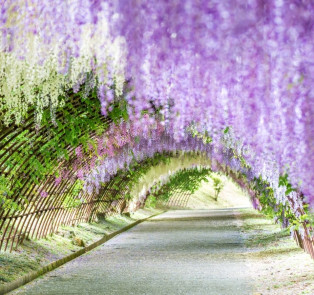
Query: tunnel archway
{"type": "Point", "coordinates": [64, 180]}
{"type": "Point", "coordinates": [94, 93]}
{"type": "Point", "coordinates": [104, 103]}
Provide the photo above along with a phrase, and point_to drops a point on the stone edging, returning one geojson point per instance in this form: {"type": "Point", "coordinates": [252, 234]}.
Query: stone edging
{"type": "Point", "coordinates": [47, 268]}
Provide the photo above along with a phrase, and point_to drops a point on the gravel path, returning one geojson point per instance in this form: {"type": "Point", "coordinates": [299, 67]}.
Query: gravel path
{"type": "Point", "coordinates": [178, 252]}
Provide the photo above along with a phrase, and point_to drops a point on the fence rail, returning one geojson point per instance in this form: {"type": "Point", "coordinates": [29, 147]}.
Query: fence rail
{"type": "Point", "coordinates": [21, 151]}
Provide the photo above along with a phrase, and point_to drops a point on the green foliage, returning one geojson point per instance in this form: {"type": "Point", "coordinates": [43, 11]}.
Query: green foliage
{"type": "Point", "coordinates": [119, 111]}
{"type": "Point", "coordinates": [40, 151]}
{"type": "Point", "coordinates": [6, 203]}
{"type": "Point", "coordinates": [206, 138]}
{"type": "Point", "coordinates": [226, 130]}
{"type": "Point", "coordinates": [72, 200]}
{"type": "Point", "coordinates": [283, 181]}
{"type": "Point", "coordinates": [138, 169]}
{"type": "Point", "coordinates": [151, 201]}
{"type": "Point", "coordinates": [278, 211]}
{"type": "Point", "coordinates": [185, 180]}
{"type": "Point", "coordinates": [218, 186]}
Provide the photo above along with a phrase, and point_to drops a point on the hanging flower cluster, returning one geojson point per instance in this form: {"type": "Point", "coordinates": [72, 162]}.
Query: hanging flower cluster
{"type": "Point", "coordinates": [247, 65]}
{"type": "Point", "coordinates": [48, 49]}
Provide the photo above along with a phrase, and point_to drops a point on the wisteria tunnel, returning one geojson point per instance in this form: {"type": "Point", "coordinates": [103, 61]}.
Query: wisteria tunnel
{"type": "Point", "coordinates": [110, 109]}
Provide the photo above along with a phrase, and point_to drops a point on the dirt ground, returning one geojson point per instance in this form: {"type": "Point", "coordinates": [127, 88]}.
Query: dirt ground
{"type": "Point", "coordinates": [279, 266]}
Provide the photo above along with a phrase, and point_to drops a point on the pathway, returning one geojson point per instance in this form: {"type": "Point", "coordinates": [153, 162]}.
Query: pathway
{"type": "Point", "coordinates": [178, 252]}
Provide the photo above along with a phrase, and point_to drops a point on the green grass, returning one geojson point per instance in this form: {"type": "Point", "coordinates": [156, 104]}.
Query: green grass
{"type": "Point", "coordinates": [34, 254]}
{"type": "Point", "coordinates": [13, 264]}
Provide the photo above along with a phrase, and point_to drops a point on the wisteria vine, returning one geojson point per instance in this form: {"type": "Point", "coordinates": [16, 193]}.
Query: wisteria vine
{"type": "Point", "coordinates": [233, 79]}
